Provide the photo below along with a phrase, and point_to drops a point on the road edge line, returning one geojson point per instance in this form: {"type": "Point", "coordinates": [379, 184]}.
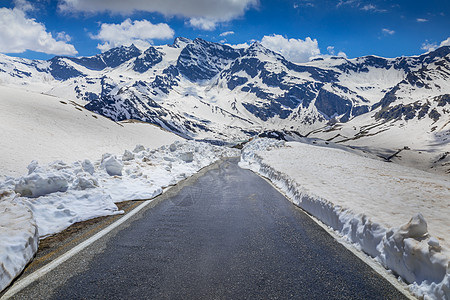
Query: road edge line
{"type": "Point", "coordinates": [20, 284]}
{"type": "Point", "coordinates": [23, 283]}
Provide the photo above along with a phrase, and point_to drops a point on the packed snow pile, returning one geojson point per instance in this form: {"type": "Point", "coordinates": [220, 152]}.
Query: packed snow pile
{"type": "Point", "coordinates": [50, 198]}
{"type": "Point", "coordinates": [398, 215]}
{"type": "Point", "coordinates": [19, 239]}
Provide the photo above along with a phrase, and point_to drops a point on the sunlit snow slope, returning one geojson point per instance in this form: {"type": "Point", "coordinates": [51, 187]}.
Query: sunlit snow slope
{"type": "Point", "coordinates": [46, 128]}
{"type": "Point", "coordinates": [206, 90]}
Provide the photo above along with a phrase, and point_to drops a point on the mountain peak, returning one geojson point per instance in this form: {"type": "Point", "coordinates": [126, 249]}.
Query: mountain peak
{"type": "Point", "coordinates": [439, 52]}
{"type": "Point", "coordinates": [256, 45]}
{"type": "Point", "coordinates": [123, 49]}
{"type": "Point", "coordinates": [180, 42]}
{"type": "Point", "coordinates": [258, 48]}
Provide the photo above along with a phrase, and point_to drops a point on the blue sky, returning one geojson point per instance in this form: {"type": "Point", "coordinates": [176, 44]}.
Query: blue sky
{"type": "Point", "coordinates": [299, 29]}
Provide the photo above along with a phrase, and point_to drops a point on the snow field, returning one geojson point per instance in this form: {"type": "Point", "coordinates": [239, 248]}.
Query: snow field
{"type": "Point", "coordinates": [50, 198]}
{"type": "Point", "coordinates": [395, 214]}
{"type": "Point", "coordinates": [46, 128]}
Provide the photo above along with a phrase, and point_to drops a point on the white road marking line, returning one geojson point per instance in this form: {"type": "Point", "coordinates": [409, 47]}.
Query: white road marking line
{"type": "Point", "coordinates": [23, 283]}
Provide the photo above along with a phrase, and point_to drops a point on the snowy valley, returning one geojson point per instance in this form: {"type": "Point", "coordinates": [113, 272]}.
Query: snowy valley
{"type": "Point", "coordinates": [80, 134]}
{"type": "Point", "coordinates": [208, 91]}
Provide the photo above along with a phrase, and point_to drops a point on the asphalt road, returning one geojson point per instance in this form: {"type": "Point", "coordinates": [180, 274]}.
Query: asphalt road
{"type": "Point", "coordinates": [228, 234]}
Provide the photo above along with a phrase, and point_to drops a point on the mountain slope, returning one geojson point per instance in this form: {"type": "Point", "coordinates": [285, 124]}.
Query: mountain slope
{"type": "Point", "coordinates": [204, 90]}
{"type": "Point", "coordinates": [45, 128]}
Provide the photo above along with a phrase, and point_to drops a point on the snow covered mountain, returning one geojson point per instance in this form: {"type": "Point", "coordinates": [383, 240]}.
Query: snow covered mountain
{"type": "Point", "coordinates": [204, 90]}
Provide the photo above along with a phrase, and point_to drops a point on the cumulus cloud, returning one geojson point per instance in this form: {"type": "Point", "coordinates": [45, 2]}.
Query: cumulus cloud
{"type": "Point", "coordinates": [23, 5]}
{"type": "Point", "coordinates": [427, 46]}
{"type": "Point", "coordinates": [240, 46]}
{"type": "Point", "coordinates": [330, 50]}
{"type": "Point", "coordinates": [445, 42]}
{"type": "Point", "coordinates": [332, 53]}
{"type": "Point", "coordinates": [203, 23]}
{"type": "Point", "coordinates": [141, 33]}
{"type": "Point", "coordinates": [420, 20]}
{"type": "Point", "coordinates": [387, 31]}
{"type": "Point", "coordinates": [296, 50]}
{"type": "Point", "coordinates": [20, 33]}
{"type": "Point", "coordinates": [203, 14]}
{"type": "Point", "coordinates": [227, 33]}
{"type": "Point", "coordinates": [62, 36]}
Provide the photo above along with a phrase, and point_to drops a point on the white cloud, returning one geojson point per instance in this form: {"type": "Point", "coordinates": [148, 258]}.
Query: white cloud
{"type": "Point", "coordinates": [203, 23]}
{"type": "Point", "coordinates": [372, 8]}
{"type": "Point", "coordinates": [141, 33]}
{"type": "Point", "coordinates": [358, 4]}
{"type": "Point", "coordinates": [346, 2]}
{"type": "Point", "coordinates": [369, 7]}
{"type": "Point", "coordinates": [204, 14]}
{"type": "Point", "coordinates": [427, 46]}
{"type": "Point", "coordinates": [304, 3]}
{"type": "Point", "coordinates": [296, 50]}
{"type": "Point", "coordinates": [332, 53]}
{"type": "Point", "coordinates": [342, 54]}
{"type": "Point", "coordinates": [240, 46]}
{"type": "Point", "coordinates": [445, 42]}
{"type": "Point", "coordinates": [420, 20]}
{"type": "Point", "coordinates": [19, 33]}
{"type": "Point", "coordinates": [387, 31]}
{"type": "Point", "coordinates": [330, 50]}
{"type": "Point", "coordinates": [23, 5]}
{"type": "Point", "coordinates": [227, 33]}
{"type": "Point", "coordinates": [62, 36]}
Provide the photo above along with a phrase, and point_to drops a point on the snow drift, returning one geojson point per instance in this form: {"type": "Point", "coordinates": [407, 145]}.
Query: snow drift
{"type": "Point", "coordinates": [50, 198]}
{"type": "Point", "coordinates": [369, 203]}
{"type": "Point", "coordinates": [19, 239]}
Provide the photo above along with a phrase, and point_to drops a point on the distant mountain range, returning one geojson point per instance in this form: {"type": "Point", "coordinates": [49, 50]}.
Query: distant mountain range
{"type": "Point", "coordinates": [205, 90]}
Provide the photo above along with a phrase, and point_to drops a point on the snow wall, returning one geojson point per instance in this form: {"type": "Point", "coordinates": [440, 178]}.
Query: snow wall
{"type": "Point", "coordinates": [425, 269]}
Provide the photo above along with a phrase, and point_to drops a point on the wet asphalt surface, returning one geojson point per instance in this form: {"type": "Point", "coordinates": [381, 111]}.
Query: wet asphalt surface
{"type": "Point", "coordinates": [228, 235]}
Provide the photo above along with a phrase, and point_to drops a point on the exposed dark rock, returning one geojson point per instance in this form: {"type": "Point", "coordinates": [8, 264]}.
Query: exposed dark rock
{"type": "Point", "coordinates": [406, 112]}
{"type": "Point", "coordinates": [235, 81]}
{"type": "Point", "coordinates": [443, 100]}
{"type": "Point", "coordinates": [330, 104]}
{"type": "Point", "coordinates": [111, 58]}
{"type": "Point", "coordinates": [61, 70]}
{"type": "Point", "coordinates": [150, 57]}
{"type": "Point", "coordinates": [165, 82]}
{"type": "Point", "coordinates": [388, 98]}
{"type": "Point", "coordinates": [202, 60]}
{"type": "Point", "coordinates": [267, 110]}
{"type": "Point", "coordinates": [435, 115]}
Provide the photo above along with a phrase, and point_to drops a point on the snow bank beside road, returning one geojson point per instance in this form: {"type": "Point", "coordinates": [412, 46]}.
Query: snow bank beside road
{"type": "Point", "coordinates": [55, 196]}
{"type": "Point", "coordinates": [368, 202]}
{"type": "Point", "coordinates": [18, 239]}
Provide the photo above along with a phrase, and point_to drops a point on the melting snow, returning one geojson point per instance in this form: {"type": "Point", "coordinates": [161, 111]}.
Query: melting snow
{"type": "Point", "coordinates": [52, 197]}
{"type": "Point", "coordinates": [397, 215]}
